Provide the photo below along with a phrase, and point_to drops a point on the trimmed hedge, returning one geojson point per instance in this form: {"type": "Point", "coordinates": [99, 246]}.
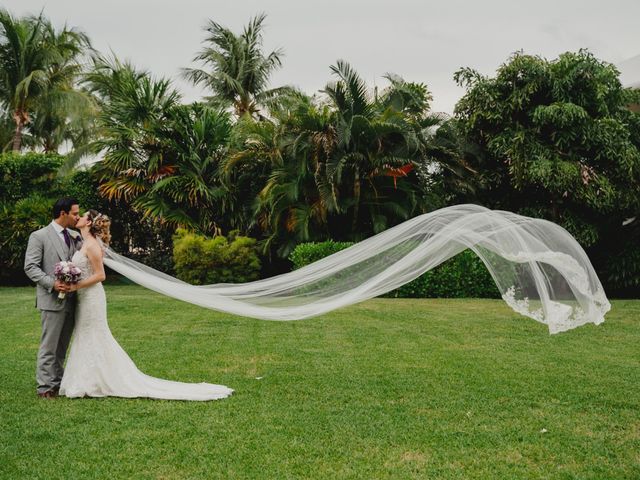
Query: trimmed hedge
{"type": "Point", "coordinates": [202, 261]}
{"type": "Point", "coordinates": [22, 175]}
{"type": "Point", "coordinates": [306, 253]}
{"type": "Point", "coordinates": [27, 189]}
{"type": "Point", "coordinates": [459, 277]}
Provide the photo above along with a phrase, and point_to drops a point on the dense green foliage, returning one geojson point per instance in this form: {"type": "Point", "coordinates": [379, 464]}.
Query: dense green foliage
{"type": "Point", "coordinates": [463, 276]}
{"type": "Point", "coordinates": [201, 261]}
{"type": "Point", "coordinates": [25, 174]}
{"type": "Point", "coordinates": [306, 253]}
{"type": "Point", "coordinates": [343, 166]}
{"type": "Point", "coordinates": [620, 264]}
{"type": "Point", "coordinates": [556, 139]}
{"type": "Point", "coordinates": [27, 186]}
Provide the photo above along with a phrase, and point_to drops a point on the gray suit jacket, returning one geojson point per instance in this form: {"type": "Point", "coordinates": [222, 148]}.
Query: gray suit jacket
{"type": "Point", "coordinates": [44, 250]}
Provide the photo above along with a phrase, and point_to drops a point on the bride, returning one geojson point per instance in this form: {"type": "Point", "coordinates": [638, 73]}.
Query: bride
{"type": "Point", "coordinates": [97, 366]}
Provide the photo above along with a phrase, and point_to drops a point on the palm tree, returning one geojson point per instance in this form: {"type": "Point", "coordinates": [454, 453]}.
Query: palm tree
{"type": "Point", "coordinates": [380, 138]}
{"type": "Point", "coordinates": [7, 128]}
{"type": "Point", "coordinates": [342, 168]}
{"type": "Point", "coordinates": [238, 71]}
{"type": "Point", "coordinates": [63, 111]}
{"type": "Point", "coordinates": [133, 107]}
{"type": "Point", "coordinates": [455, 161]}
{"type": "Point", "coordinates": [195, 137]}
{"type": "Point", "coordinates": [34, 61]}
{"type": "Point", "coordinates": [278, 164]}
{"type": "Point", "coordinates": [158, 155]}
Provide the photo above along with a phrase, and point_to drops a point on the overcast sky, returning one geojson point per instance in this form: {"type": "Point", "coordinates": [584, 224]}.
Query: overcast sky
{"type": "Point", "coordinates": [424, 41]}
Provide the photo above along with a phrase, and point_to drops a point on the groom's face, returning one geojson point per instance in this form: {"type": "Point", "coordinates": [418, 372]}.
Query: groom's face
{"type": "Point", "coordinates": [73, 216]}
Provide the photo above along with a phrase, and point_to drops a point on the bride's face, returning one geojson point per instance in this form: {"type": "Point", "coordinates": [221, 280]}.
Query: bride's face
{"type": "Point", "coordinates": [83, 221]}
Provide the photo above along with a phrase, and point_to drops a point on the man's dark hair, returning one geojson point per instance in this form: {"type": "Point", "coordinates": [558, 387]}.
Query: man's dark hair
{"type": "Point", "coordinates": [64, 205]}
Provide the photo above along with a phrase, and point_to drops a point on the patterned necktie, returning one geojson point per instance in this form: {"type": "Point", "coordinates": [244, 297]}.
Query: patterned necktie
{"type": "Point", "coordinates": [67, 238]}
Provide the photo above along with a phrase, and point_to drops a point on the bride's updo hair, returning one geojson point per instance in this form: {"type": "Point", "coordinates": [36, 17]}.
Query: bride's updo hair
{"type": "Point", "coordinates": [100, 226]}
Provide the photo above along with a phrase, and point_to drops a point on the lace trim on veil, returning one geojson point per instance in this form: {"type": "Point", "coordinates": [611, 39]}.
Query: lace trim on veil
{"type": "Point", "coordinates": [564, 316]}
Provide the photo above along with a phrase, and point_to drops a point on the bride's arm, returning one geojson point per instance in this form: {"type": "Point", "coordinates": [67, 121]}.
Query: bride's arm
{"type": "Point", "coordinates": [94, 253]}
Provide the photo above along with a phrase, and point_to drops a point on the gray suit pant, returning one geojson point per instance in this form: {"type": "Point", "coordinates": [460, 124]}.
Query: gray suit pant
{"type": "Point", "coordinates": [57, 327]}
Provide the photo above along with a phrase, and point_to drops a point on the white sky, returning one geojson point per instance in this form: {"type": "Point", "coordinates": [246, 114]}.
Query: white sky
{"type": "Point", "coordinates": [425, 41]}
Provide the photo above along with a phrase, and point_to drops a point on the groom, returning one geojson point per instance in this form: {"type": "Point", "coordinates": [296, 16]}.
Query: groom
{"type": "Point", "coordinates": [46, 247]}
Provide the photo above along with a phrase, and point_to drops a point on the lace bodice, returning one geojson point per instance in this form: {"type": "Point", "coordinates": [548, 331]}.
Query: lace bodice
{"type": "Point", "coordinates": [93, 292]}
{"type": "Point", "coordinates": [81, 261]}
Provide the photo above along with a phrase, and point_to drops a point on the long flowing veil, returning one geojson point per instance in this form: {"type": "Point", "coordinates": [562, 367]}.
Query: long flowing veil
{"type": "Point", "coordinates": [540, 269]}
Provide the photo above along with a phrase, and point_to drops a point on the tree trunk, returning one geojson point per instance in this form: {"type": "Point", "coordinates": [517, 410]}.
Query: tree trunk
{"type": "Point", "coordinates": [17, 135]}
{"type": "Point", "coordinates": [356, 194]}
{"type": "Point", "coordinates": [49, 146]}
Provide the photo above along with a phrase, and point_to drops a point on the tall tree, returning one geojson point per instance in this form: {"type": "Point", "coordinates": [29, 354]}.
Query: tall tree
{"type": "Point", "coordinates": [195, 138]}
{"type": "Point", "coordinates": [160, 156]}
{"type": "Point", "coordinates": [64, 111]}
{"type": "Point", "coordinates": [379, 139]}
{"type": "Point", "coordinates": [133, 105]}
{"type": "Point", "coordinates": [344, 166]}
{"type": "Point", "coordinates": [555, 140]}
{"type": "Point", "coordinates": [37, 61]}
{"type": "Point", "coordinates": [236, 69]}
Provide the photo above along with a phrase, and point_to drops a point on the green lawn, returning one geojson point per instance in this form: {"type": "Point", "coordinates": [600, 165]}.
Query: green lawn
{"type": "Point", "coordinates": [384, 389]}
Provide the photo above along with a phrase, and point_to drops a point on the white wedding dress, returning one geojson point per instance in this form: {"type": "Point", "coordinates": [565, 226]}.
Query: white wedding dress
{"type": "Point", "coordinates": [98, 367]}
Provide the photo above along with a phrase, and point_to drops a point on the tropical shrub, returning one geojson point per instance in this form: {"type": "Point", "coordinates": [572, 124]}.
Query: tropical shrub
{"type": "Point", "coordinates": [18, 220]}
{"type": "Point", "coordinates": [201, 260]}
{"type": "Point", "coordinates": [27, 193]}
{"type": "Point", "coordinates": [23, 174]}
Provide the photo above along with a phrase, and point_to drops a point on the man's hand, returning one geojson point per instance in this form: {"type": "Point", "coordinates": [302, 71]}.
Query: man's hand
{"type": "Point", "coordinates": [59, 286]}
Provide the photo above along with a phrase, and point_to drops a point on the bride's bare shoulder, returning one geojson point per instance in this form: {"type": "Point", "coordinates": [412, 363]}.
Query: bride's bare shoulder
{"type": "Point", "coordinates": [93, 249]}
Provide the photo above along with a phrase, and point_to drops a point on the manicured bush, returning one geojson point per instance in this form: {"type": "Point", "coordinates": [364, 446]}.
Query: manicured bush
{"type": "Point", "coordinates": [18, 220]}
{"type": "Point", "coordinates": [461, 276]}
{"type": "Point", "coordinates": [306, 253]}
{"type": "Point", "coordinates": [21, 175]}
{"type": "Point", "coordinates": [201, 260]}
{"type": "Point", "coordinates": [27, 192]}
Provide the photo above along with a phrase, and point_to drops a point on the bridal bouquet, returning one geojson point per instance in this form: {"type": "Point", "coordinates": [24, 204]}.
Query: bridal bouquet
{"type": "Point", "coordinates": [66, 272]}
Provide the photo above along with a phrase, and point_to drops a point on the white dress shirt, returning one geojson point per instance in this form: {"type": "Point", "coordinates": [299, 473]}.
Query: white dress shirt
{"type": "Point", "coordinates": [59, 230]}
